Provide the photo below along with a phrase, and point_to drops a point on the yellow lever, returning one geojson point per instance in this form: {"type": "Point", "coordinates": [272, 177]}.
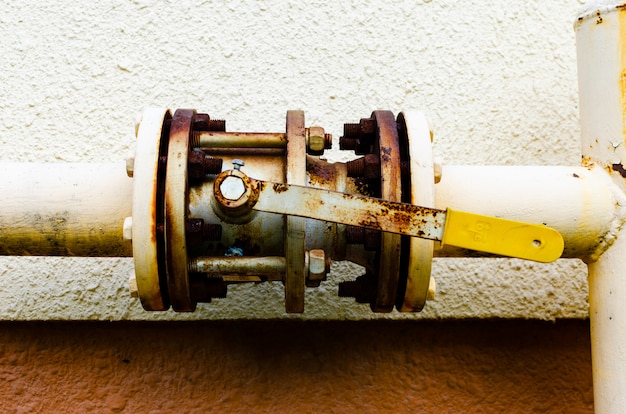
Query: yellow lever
{"type": "Point", "coordinates": [502, 237]}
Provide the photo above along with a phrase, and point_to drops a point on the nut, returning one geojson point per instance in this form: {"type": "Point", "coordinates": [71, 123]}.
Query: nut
{"type": "Point", "coordinates": [432, 289]}
{"type": "Point", "coordinates": [130, 163]}
{"type": "Point", "coordinates": [316, 140]}
{"type": "Point", "coordinates": [317, 264]}
{"type": "Point", "coordinates": [132, 286]}
{"type": "Point", "coordinates": [138, 119]}
{"type": "Point", "coordinates": [127, 229]}
{"type": "Point", "coordinates": [438, 169]}
{"type": "Point", "coordinates": [232, 188]}
{"type": "Point", "coordinates": [431, 128]}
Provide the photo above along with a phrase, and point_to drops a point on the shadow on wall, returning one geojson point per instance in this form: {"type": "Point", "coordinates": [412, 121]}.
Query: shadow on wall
{"type": "Point", "coordinates": [294, 366]}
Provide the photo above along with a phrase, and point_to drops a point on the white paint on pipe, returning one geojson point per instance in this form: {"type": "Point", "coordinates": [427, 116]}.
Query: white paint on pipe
{"type": "Point", "coordinates": [64, 209]}
{"type": "Point", "coordinates": [601, 47]}
{"type": "Point", "coordinates": [581, 203]}
{"type": "Point", "coordinates": [91, 201]}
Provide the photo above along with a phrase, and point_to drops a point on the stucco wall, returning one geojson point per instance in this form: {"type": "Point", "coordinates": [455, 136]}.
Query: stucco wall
{"type": "Point", "coordinates": [498, 81]}
{"type": "Point", "coordinates": [294, 367]}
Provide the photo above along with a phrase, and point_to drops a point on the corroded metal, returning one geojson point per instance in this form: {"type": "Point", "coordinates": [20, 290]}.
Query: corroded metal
{"type": "Point", "coordinates": [352, 209]}
{"type": "Point", "coordinates": [214, 139]}
{"type": "Point", "coordinates": [176, 211]}
{"type": "Point", "coordinates": [390, 183]}
{"type": "Point", "coordinates": [295, 227]}
{"type": "Point", "coordinates": [268, 267]}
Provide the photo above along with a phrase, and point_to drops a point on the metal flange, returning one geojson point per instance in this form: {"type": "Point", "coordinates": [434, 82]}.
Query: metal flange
{"type": "Point", "coordinates": [422, 188]}
{"type": "Point", "coordinates": [390, 189]}
{"type": "Point", "coordinates": [176, 211]}
{"type": "Point", "coordinates": [147, 240]}
{"type": "Point", "coordinates": [295, 227]}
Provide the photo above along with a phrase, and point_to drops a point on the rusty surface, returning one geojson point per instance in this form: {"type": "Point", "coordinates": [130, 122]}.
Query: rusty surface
{"type": "Point", "coordinates": [351, 209]}
{"type": "Point", "coordinates": [241, 205]}
{"type": "Point", "coordinates": [216, 139]}
{"type": "Point", "coordinates": [269, 267]}
{"type": "Point", "coordinates": [176, 211]}
{"type": "Point", "coordinates": [389, 153]}
{"type": "Point", "coordinates": [295, 227]}
{"type": "Point", "coordinates": [201, 165]}
{"type": "Point", "coordinates": [238, 152]}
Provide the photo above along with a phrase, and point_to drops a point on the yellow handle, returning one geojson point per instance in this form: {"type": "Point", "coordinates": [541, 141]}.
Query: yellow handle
{"type": "Point", "coordinates": [502, 237]}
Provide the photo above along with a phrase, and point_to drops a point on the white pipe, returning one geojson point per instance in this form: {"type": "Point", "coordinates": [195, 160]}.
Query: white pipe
{"type": "Point", "coordinates": [64, 209]}
{"type": "Point", "coordinates": [601, 47]}
{"type": "Point", "coordinates": [576, 201]}
{"type": "Point", "coordinates": [79, 209]}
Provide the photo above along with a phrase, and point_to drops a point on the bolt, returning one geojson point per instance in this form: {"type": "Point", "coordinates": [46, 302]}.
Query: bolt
{"type": "Point", "coordinates": [359, 137]}
{"type": "Point", "coordinates": [201, 122]}
{"type": "Point", "coordinates": [218, 125]}
{"type": "Point", "coordinates": [371, 239]}
{"type": "Point", "coordinates": [351, 130]}
{"type": "Point", "coordinates": [232, 188]}
{"type": "Point", "coordinates": [432, 289]}
{"type": "Point", "coordinates": [127, 229]}
{"type": "Point", "coordinates": [138, 119]}
{"type": "Point", "coordinates": [237, 164]}
{"type": "Point", "coordinates": [438, 170]}
{"type": "Point", "coordinates": [197, 231]}
{"type": "Point", "coordinates": [204, 289]}
{"type": "Point", "coordinates": [201, 165]}
{"type": "Point", "coordinates": [132, 286]}
{"type": "Point", "coordinates": [130, 163]}
{"type": "Point", "coordinates": [431, 129]}
{"type": "Point", "coordinates": [365, 167]}
{"type": "Point", "coordinates": [363, 289]}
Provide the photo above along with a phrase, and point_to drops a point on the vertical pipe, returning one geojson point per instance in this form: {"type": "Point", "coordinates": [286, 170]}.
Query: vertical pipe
{"type": "Point", "coordinates": [601, 47]}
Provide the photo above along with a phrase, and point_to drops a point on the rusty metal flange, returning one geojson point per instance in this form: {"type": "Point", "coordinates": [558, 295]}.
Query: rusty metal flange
{"type": "Point", "coordinates": [176, 211]}
{"type": "Point", "coordinates": [295, 227]}
{"type": "Point", "coordinates": [391, 189]}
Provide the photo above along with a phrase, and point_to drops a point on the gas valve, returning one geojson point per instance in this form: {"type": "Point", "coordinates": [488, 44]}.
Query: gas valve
{"type": "Point", "coordinates": [212, 208]}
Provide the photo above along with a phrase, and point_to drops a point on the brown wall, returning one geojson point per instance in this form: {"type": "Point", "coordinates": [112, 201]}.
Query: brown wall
{"type": "Point", "coordinates": [292, 366]}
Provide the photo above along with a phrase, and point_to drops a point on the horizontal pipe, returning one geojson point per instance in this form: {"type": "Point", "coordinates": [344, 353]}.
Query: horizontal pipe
{"type": "Point", "coordinates": [64, 209]}
{"type": "Point", "coordinates": [79, 209]}
{"type": "Point", "coordinates": [580, 203]}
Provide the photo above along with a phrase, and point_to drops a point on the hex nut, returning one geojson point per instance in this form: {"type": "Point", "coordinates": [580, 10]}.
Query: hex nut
{"type": "Point", "coordinates": [437, 170]}
{"type": "Point", "coordinates": [431, 129]}
{"type": "Point", "coordinates": [130, 163]}
{"type": "Point", "coordinates": [316, 139]}
{"type": "Point", "coordinates": [317, 264]}
{"type": "Point", "coordinates": [432, 289]}
{"type": "Point", "coordinates": [127, 230]}
{"type": "Point", "coordinates": [232, 188]}
{"type": "Point", "coordinates": [132, 286]}
{"type": "Point", "coordinates": [138, 119]}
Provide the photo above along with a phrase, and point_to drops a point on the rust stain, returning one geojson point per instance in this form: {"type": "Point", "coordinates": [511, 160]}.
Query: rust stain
{"type": "Point", "coordinates": [280, 188]}
{"type": "Point", "coordinates": [599, 20]}
{"type": "Point", "coordinates": [619, 168]}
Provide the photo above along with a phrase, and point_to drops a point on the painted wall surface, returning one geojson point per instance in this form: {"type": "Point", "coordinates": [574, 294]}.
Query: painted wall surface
{"type": "Point", "coordinates": [498, 81]}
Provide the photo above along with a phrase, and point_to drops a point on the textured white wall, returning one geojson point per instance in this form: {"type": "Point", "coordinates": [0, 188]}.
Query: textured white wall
{"type": "Point", "coordinates": [499, 82]}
